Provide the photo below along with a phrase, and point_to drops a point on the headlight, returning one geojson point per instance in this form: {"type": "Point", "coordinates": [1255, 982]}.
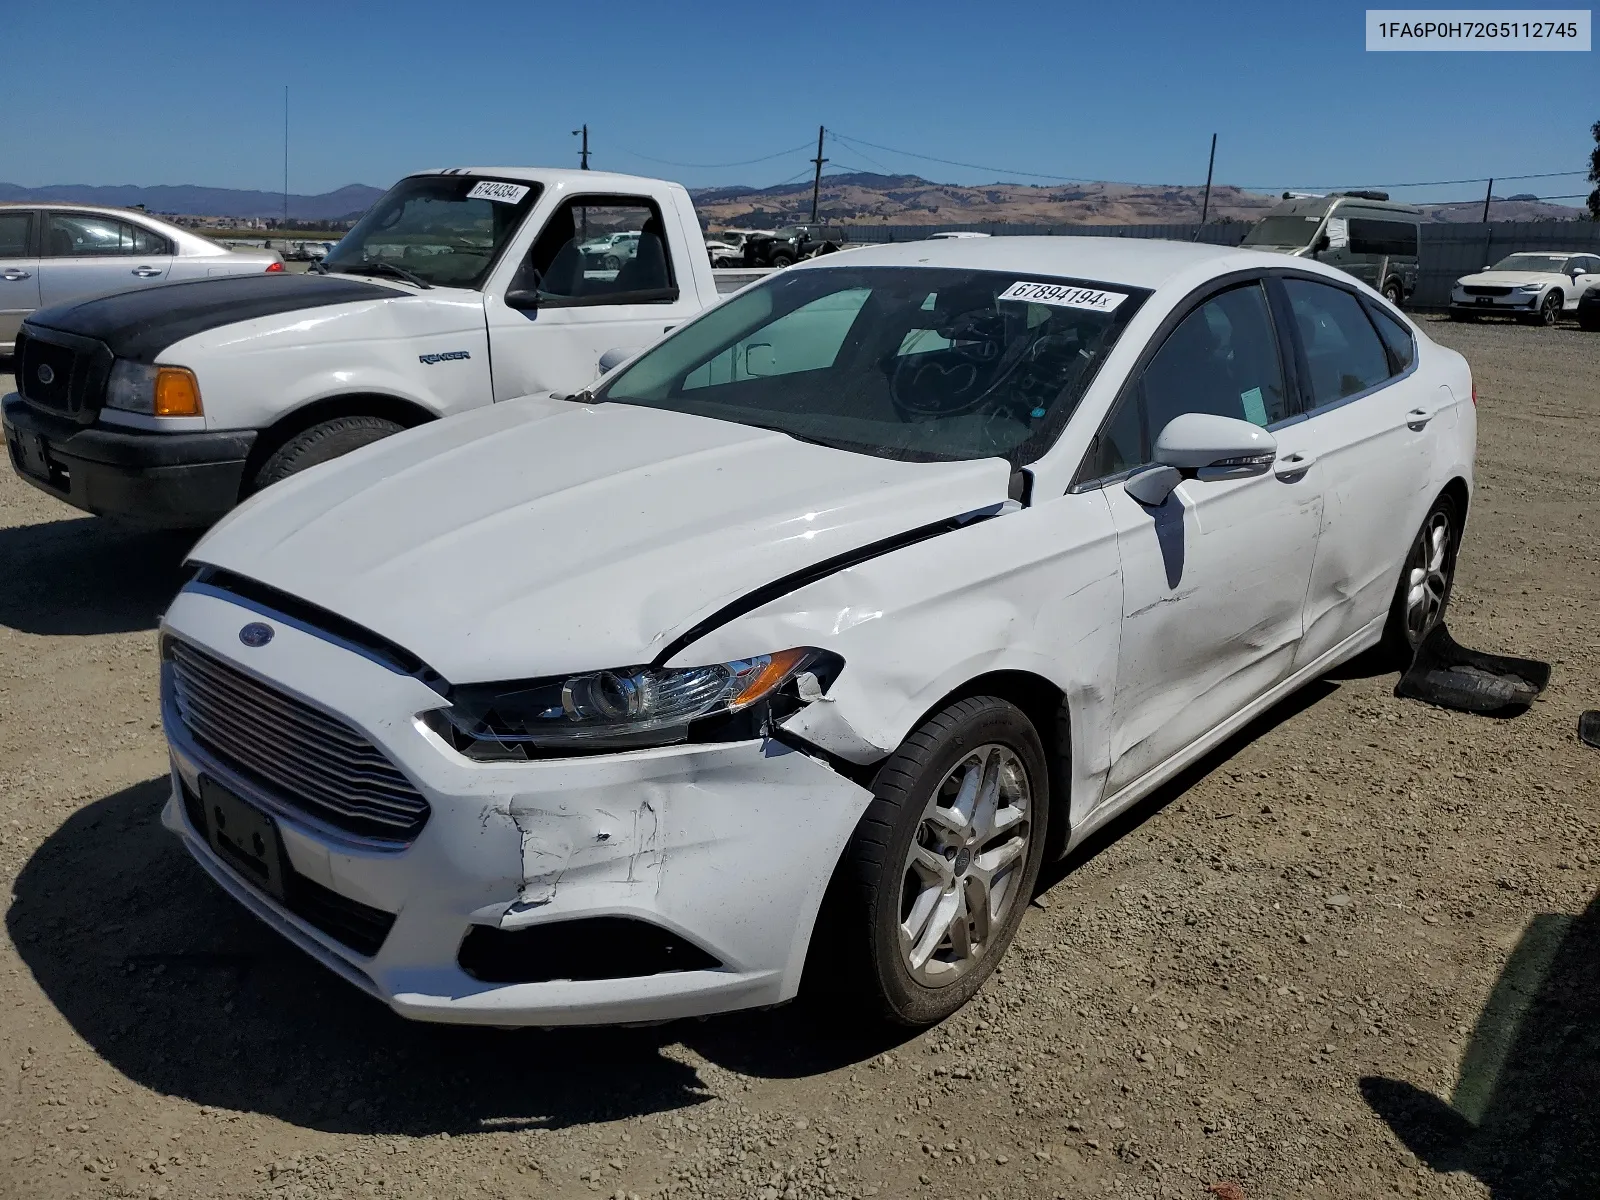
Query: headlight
{"type": "Point", "coordinates": [155, 391]}
{"type": "Point", "coordinates": [1529, 287]}
{"type": "Point", "coordinates": [629, 707]}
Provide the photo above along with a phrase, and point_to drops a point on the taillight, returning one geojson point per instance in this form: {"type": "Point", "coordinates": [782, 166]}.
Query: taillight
{"type": "Point", "coordinates": [274, 267]}
{"type": "Point", "coordinates": [1474, 393]}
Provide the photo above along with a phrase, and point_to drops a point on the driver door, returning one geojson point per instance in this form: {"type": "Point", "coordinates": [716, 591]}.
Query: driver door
{"type": "Point", "coordinates": [577, 295]}
{"type": "Point", "coordinates": [1214, 579]}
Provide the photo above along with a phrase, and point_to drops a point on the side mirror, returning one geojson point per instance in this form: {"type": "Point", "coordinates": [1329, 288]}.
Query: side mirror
{"type": "Point", "coordinates": [614, 357]}
{"type": "Point", "coordinates": [526, 299]}
{"type": "Point", "coordinates": [1321, 244]}
{"type": "Point", "coordinates": [1212, 447]}
{"type": "Point", "coordinates": [1151, 486]}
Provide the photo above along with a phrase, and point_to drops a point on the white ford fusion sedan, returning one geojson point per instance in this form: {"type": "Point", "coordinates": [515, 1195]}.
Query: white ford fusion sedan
{"type": "Point", "coordinates": [835, 612]}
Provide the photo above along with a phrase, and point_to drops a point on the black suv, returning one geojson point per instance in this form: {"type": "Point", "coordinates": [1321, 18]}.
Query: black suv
{"type": "Point", "coordinates": [789, 245]}
{"type": "Point", "coordinates": [1589, 310]}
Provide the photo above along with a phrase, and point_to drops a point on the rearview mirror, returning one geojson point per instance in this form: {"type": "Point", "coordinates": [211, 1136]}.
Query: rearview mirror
{"type": "Point", "coordinates": [759, 359]}
{"type": "Point", "coordinates": [1212, 447]}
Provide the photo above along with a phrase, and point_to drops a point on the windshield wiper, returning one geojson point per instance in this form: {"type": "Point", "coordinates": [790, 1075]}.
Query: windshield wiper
{"type": "Point", "coordinates": [383, 268]}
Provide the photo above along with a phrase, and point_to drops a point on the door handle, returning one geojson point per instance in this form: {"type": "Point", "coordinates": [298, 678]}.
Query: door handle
{"type": "Point", "coordinates": [1292, 466]}
{"type": "Point", "coordinates": [1418, 418]}
{"type": "Point", "coordinates": [146, 272]}
{"type": "Point", "coordinates": [14, 273]}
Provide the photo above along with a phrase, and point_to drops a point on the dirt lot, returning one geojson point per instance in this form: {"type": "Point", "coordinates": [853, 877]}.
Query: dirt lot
{"type": "Point", "coordinates": [1275, 977]}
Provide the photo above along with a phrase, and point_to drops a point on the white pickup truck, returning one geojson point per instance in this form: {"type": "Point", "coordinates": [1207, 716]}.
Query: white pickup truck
{"type": "Point", "coordinates": [461, 287]}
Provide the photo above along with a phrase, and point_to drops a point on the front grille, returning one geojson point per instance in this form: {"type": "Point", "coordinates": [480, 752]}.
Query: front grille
{"type": "Point", "coordinates": [306, 757]}
{"type": "Point", "coordinates": [1483, 290]}
{"type": "Point", "coordinates": [62, 373]}
{"type": "Point", "coordinates": [349, 922]}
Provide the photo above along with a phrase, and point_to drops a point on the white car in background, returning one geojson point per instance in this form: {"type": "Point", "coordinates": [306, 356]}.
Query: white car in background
{"type": "Point", "coordinates": [875, 584]}
{"type": "Point", "coordinates": [1536, 287]}
{"type": "Point", "coordinates": [56, 253]}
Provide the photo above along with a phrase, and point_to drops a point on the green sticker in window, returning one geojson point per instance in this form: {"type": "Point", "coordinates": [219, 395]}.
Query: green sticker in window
{"type": "Point", "coordinates": [1255, 409]}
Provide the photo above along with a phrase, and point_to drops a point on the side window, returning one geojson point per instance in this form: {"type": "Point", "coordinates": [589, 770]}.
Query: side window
{"type": "Point", "coordinates": [148, 241]}
{"type": "Point", "coordinates": [1221, 359]}
{"type": "Point", "coordinates": [83, 235]}
{"type": "Point", "coordinates": [1369, 235]}
{"type": "Point", "coordinates": [14, 230]}
{"type": "Point", "coordinates": [1402, 349]}
{"type": "Point", "coordinates": [807, 339]}
{"type": "Point", "coordinates": [601, 250]}
{"type": "Point", "coordinates": [1342, 349]}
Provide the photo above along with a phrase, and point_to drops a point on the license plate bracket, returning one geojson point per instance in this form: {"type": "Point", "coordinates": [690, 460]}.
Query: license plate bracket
{"type": "Point", "coordinates": [1485, 299]}
{"type": "Point", "coordinates": [33, 458]}
{"type": "Point", "coordinates": [243, 836]}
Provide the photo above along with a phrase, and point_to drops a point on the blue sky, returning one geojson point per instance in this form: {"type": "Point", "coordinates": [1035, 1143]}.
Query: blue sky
{"type": "Point", "coordinates": [155, 93]}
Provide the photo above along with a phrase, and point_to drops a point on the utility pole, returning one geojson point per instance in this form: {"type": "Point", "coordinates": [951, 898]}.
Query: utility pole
{"type": "Point", "coordinates": [816, 181]}
{"type": "Point", "coordinates": [583, 159]}
{"type": "Point", "coordinates": [286, 156]}
{"type": "Point", "coordinates": [1205, 204]}
{"type": "Point", "coordinates": [1486, 195]}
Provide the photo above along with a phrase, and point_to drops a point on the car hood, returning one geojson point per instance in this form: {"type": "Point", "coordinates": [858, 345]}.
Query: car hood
{"type": "Point", "coordinates": [1511, 278]}
{"type": "Point", "coordinates": [140, 324]}
{"type": "Point", "coordinates": [539, 536]}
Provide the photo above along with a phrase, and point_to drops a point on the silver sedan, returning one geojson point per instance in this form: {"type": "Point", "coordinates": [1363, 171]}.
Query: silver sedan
{"type": "Point", "coordinates": [56, 253]}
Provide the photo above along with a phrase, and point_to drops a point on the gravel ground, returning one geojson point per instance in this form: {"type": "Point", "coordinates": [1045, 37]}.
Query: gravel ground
{"type": "Point", "coordinates": [1355, 953]}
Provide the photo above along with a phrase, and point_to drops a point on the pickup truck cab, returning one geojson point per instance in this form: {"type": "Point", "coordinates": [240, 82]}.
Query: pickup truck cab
{"type": "Point", "coordinates": [460, 288]}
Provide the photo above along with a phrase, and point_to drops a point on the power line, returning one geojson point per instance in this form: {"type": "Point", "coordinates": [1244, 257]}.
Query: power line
{"type": "Point", "coordinates": [951, 162]}
{"type": "Point", "coordinates": [713, 166]}
{"type": "Point", "coordinates": [1261, 187]}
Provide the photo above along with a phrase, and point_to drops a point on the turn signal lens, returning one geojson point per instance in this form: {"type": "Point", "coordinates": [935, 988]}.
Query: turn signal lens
{"type": "Point", "coordinates": [274, 268]}
{"type": "Point", "coordinates": [177, 393]}
{"type": "Point", "coordinates": [767, 675]}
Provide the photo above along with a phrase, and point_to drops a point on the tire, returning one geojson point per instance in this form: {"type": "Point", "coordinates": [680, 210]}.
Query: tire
{"type": "Point", "coordinates": [1413, 617]}
{"type": "Point", "coordinates": [1393, 293]}
{"type": "Point", "coordinates": [319, 444]}
{"type": "Point", "coordinates": [1550, 308]}
{"type": "Point", "coordinates": [612, 263]}
{"type": "Point", "coordinates": [916, 803]}
{"type": "Point", "coordinates": [783, 260]}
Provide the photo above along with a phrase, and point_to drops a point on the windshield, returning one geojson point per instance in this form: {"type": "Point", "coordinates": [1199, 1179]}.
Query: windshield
{"type": "Point", "coordinates": [1544, 263]}
{"type": "Point", "coordinates": [435, 228]}
{"type": "Point", "coordinates": [1294, 232]}
{"type": "Point", "coordinates": [918, 363]}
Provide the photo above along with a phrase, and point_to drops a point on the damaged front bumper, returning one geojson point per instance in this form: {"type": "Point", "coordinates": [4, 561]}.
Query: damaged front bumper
{"type": "Point", "coordinates": [637, 886]}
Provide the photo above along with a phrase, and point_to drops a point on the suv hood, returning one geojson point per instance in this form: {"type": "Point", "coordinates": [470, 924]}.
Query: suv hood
{"type": "Point", "coordinates": [1513, 278]}
{"type": "Point", "coordinates": [541, 536]}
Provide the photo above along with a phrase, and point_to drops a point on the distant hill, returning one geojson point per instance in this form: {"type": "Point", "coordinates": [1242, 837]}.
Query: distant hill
{"type": "Point", "coordinates": [849, 199]}
{"type": "Point", "coordinates": [867, 199]}
{"type": "Point", "coordinates": [190, 200]}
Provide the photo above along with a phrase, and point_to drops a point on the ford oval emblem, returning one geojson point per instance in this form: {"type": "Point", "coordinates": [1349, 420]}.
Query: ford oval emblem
{"type": "Point", "coordinates": [255, 634]}
{"type": "Point", "coordinates": [46, 374]}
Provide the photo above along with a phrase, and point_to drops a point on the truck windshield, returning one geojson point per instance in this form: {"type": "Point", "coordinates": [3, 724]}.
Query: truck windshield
{"type": "Point", "coordinates": [446, 230]}
{"type": "Point", "coordinates": [1293, 232]}
{"type": "Point", "coordinates": [916, 363]}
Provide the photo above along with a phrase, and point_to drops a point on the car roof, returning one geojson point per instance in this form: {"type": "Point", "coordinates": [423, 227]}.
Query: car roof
{"type": "Point", "coordinates": [108, 210]}
{"type": "Point", "coordinates": [549, 176]}
{"type": "Point", "coordinates": [1136, 262]}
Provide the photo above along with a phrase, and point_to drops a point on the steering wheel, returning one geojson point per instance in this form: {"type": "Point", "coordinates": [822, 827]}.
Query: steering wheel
{"type": "Point", "coordinates": [962, 374]}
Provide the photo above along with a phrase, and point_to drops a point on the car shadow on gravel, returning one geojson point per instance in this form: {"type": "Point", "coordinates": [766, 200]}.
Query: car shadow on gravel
{"type": "Point", "coordinates": [186, 994]}
{"type": "Point", "coordinates": [1524, 1118]}
{"type": "Point", "coordinates": [88, 575]}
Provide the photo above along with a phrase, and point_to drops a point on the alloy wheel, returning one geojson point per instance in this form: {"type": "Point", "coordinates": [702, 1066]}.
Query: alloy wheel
{"type": "Point", "coordinates": [1428, 577]}
{"type": "Point", "coordinates": [966, 858]}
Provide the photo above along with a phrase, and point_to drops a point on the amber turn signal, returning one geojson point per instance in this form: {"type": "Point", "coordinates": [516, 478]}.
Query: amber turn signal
{"type": "Point", "coordinates": [177, 393]}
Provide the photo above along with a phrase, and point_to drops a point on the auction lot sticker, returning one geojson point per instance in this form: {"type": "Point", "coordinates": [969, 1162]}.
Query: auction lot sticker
{"type": "Point", "coordinates": [493, 189]}
{"type": "Point", "coordinates": [1478, 29]}
{"type": "Point", "coordinates": [1063, 295]}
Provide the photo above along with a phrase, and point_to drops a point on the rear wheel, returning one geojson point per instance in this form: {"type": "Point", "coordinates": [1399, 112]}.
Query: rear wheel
{"type": "Point", "coordinates": [783, 260]}
{"type": "Point", "coordinates": [319, 444]}
{"type": "Point", "coordinates": [1392, 292]}
{"type": "Point", "coordinates": [1426, 580]}
{"type": "Point", "coordinates": [942, 866]}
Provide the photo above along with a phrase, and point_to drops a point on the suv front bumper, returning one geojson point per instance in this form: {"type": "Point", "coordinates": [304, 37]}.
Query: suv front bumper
{"type": "Point", "coordinates": [183, 480]}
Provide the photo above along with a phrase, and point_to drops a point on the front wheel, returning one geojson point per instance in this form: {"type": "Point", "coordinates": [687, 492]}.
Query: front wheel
{"type": "Point", "coordinates": [613, 263]}
{"type": "Point", "coordinates": [1550, 310]}
{"type": "Point", "coordinates": [1426, 581]}
{"type": "Point", "coordinates": [943, 864]}
{"type": "Point", "coordinates": [1392, 292]}
{"type": "Point", "coordinates": [319, 444]}
{"type": "Point", "coordinates": [782, 260]}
